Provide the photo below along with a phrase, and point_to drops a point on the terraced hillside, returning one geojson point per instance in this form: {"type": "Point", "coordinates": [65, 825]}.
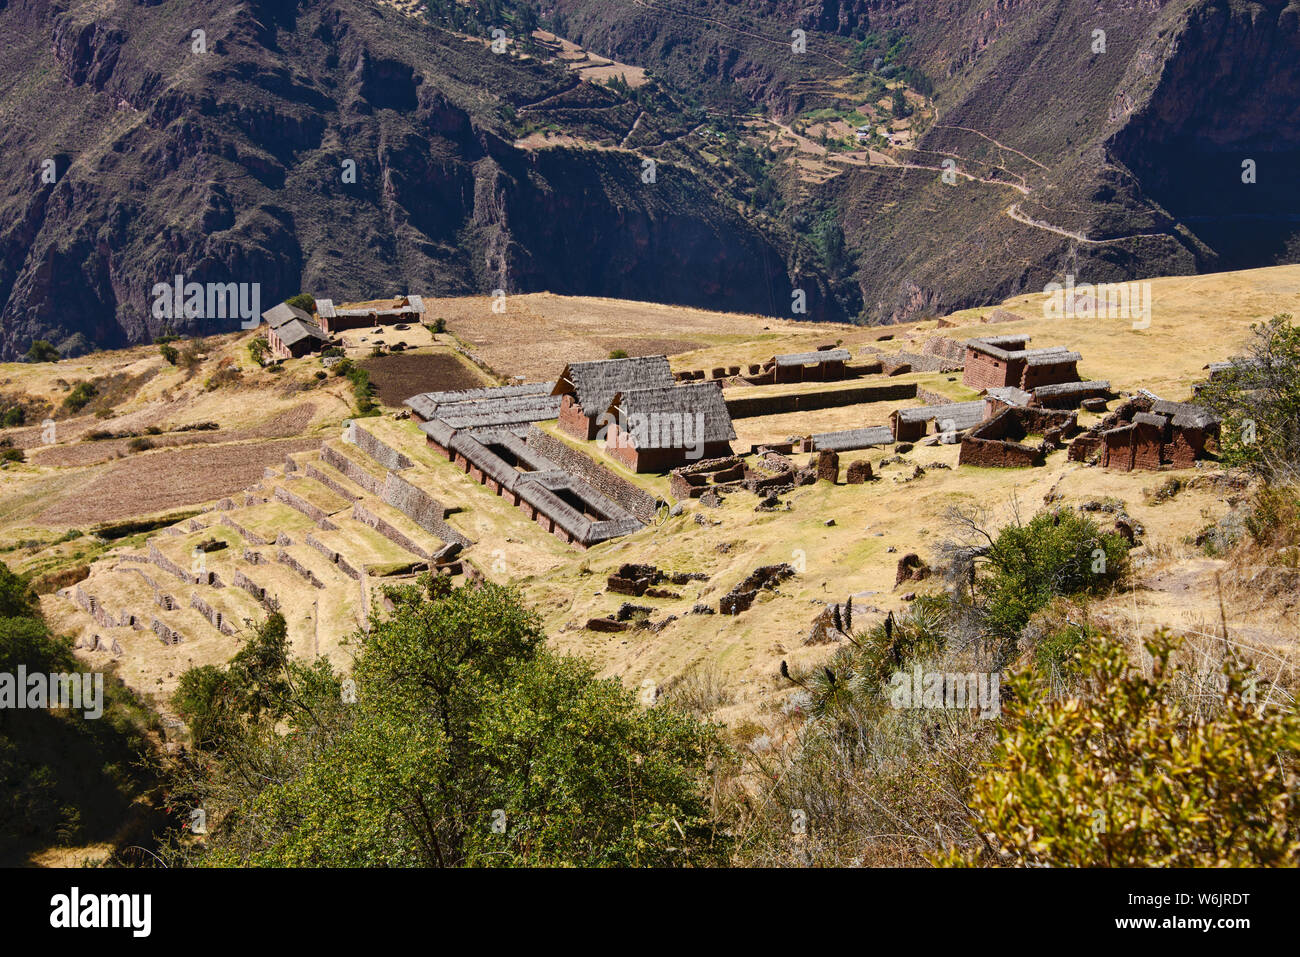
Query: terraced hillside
{"type": "Point", "coordinates": [321, 530]}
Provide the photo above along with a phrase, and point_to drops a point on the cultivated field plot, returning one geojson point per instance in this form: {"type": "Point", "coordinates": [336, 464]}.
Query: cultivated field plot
{"type": "Point", "coordinates": [398, 377]}
{"type": "Point", "coordinates": [154, 482]}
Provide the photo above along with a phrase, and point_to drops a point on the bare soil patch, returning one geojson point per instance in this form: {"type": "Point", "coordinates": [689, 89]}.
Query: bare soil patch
{"type": "Point", "coordinates": [398, 377]}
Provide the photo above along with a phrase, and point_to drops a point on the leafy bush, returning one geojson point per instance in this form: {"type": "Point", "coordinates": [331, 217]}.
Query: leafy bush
{"type": "Point", "coordinates": [618, 354]}
{"type": "Point", "coordinates": [139, 444]}
{"type": "Point", "coordinates": [42, 351]}
{"type": "Point", "coordinates": [259, 349]}
{"type": "Point", "coordinates": [79, 397]}
{"type": "Point", "coordinates": [1118, 775]}
{"type": "Point", "coordinates": [1258, 398]}
{"type": "Point", "coordinates": [13, 415]}
{"type": "Point", "coordinates": [1056, 553]}
{"type": "Point", "coordinates": [13, 455]}
{"type": "Point", "coordinates": [169, 353]}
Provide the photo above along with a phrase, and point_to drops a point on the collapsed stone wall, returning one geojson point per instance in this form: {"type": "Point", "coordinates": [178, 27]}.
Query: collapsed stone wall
{"type": "Point", "coordinates": [351, 470]}
{"type": "Point", "coordinates": [169, 566]}
{"type": "Point", "coordinates": [933, 398]}
{"type": "Point", "coordinates": [617, 489]}
{"type": "Point", "coordinates": [741, 597]}
{"type": "Point", "coordinates": [368, 518]}
{"type": "Point", "coordinates": [385, 455]}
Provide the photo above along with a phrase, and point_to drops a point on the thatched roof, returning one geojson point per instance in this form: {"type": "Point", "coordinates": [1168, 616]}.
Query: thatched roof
{"type": "Point", "coordinates": [1012, 348]}
{"type": "Point", "coordinates": [488, 408]}
{"type": "Point", "coordinates": [1184, 415]}
{"type": "Point", "coordinates": [594, 384]}
{"type": "Point", "coordinates": [961, 415]}
{"type": "Point", "coordinates": [277, 316]}
{"type": "Point", "coordinates": [1000, 347]}
{"type": "Point", "coordinates": [696, 398]}
{"type": "Point", "coordinates": [1092, 386]}
{"type": "Point", "coordinates": [851, 439]}
{"type": "Point", "coordinates": [295, 330]}
{"type": "Point", "coordinates": [1149, 418]}
{"type": "Point", "coordinates": [812, 358]}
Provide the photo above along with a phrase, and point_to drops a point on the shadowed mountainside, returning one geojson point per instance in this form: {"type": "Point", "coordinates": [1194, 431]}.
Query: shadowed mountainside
{"type": "Point", "coordinates": [229, 166]}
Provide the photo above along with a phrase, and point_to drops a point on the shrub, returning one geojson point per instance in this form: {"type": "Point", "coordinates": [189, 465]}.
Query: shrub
{"type": "Point", "coordinates": [1056, 553]}
{"type": "Point", "coordinates": [437, 327]}
{"type": "Point", "coordinates": [259, 349]}
{"type": "Point", "coordinates": [169, 352]}
{"type": "Point", "coordinates": [1118, 775]}
{"type": "Point", "coordinates": [13, 455]}
{"type": "Point", "coordinates": [304, 301]}
{"type": "Point", "coordinates": [42, 351]}
{"type": "Point", "coordinates": [140, 444]}
{"type": "Point", "coordinates": [79, 397]}
{"type": "Point", "coordinates": [13, 415]}
{"type": "Point", "coordinates": [618, 354]}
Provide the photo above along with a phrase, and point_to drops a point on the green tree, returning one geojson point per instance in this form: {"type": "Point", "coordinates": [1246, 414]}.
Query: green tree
{"type": "Point", "coordinates": [304, 301]}
{"type": "Point", "coordinates": [1258, 398]}
{"type": "Point", "coordinates": [468, 744]}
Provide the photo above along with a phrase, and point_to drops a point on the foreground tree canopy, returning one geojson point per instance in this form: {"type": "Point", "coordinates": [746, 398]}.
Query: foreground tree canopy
{"type": "Point", "coordinates": [460, 740]}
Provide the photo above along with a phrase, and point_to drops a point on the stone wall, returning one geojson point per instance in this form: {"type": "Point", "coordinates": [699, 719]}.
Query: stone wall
{"type": "Point", "coordinates": [334, 557]}
{"type": "Point", "coordinates": [335, 486]}
{"type": "Point", "coordinates": [983, 371]}
{"type": "Point", "coordinates": [637, 501]}
{"type": "Point", "coordinates": [286, 559]}
{"type": "Point", "coordinates": [421, 508]}
{"type": "Point", "coordinates": [245, 534]}
{"type": "Point", "coordinates": [300, 504]}
{"type": "Point", "coordinates": [350, 470]}
{"type": "Point", "coordinates": [168, 634]}
{"type": "Point", "coordinates": [368, 518]}
{"type": "Point", "coordinates": [826, 399]}
{"type": "Point", "coordinates": [267, 601]}
{"type": "Point", "coordinates": [214, 617]}
{"type": "Point", "coordinates": [384, 454]}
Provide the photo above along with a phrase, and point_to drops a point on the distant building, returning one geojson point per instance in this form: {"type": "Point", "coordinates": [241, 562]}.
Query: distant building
{"type": "Point", "coordinates": [1171, 433]}
{"type": "Point", "coordinates": [291, 333]}
{"type": "Point", "coordinates": [996, 362]}
{"type": "Point", "coordinates": [373, 312]}
{"type": "Point", "coordinates": [587, 388]}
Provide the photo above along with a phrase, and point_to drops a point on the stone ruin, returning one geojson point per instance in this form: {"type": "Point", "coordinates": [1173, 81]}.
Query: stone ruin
{"type": "Point", "coordinates": [770, 470]}
{"type": "Point", "coordinates": [828, 466]}
{"type": "Point", "coordinates": [911, 567]}
{"type": "Point", "coordinates": [637, 580]}
{"type": "Point", "coordinates": [833, 624]}
{"type": "Point", "coordinates": [1148, 433]}
{"type": "Point", "coordinates": [997, 441]}
{"type": "Point", "coordinates": [858, 472]}
{"type": "Point", "coordinates": [742, 596]}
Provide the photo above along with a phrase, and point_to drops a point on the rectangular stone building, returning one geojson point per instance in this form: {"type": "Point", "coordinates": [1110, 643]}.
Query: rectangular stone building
{"type": "Point", "coordinates": [587, 389]}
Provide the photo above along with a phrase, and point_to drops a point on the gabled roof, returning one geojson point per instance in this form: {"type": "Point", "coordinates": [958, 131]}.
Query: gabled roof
{"type": "Point", "coordinates": [399, 306]}
{"type": "Point", "coordinates": [1050, 357]}
{"type": "Point", "coordinates": [811, 358]}
{"type": "Point", "coordinates": [851, 439]}
{"type": "Point", "coordinates": [594, 384]}
{"type": "Point", "coordinates": [696, 398]}
{"type": "Point", "coordinates": [277, 316]}
{"type": "Point", "coordinates": [295, 330]}
{"type": "Point", "coordinates": [956, 416]}
{"type": "Point", "coordinates": [432, 401]}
